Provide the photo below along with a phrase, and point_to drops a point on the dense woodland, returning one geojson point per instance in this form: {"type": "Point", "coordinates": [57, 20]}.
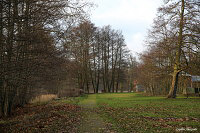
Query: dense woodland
{"type": "Point", "coordinates": [54, 47]}
{"type": "Point", "coordinates": [31, 53]}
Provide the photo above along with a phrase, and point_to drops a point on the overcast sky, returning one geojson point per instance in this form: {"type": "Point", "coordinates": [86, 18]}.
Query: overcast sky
{"type": "Point", "coordinates": [132, 17]}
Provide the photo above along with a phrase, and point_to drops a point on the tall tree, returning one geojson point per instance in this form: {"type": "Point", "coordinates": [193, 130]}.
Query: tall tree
{"type": "Point", "coordinates": [27, 42]}
{"type": "Point", "coordinates": [172, 36]}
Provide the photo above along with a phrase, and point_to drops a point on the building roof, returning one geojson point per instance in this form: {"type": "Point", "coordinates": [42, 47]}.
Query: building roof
{"type": "Point", "coordinates": [195, 78]}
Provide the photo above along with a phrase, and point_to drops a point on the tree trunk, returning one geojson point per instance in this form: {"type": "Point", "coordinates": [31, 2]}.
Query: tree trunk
{"type": "Point", "coordinates": [4, 103]}
{"type": "Point", "coordinates": [173, 90]}
{"type": "Point", "coordinates": [177, 69]}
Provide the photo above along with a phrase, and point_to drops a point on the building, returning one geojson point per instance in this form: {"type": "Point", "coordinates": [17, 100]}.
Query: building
{"type": "Point", "coordinates": [194, 84]}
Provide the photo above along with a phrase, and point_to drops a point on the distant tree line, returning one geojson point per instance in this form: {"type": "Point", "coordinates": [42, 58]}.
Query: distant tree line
{"type": "Point", "coordinates": [173, 48]}
{"type": "Point", "coordinates": [101, 57]}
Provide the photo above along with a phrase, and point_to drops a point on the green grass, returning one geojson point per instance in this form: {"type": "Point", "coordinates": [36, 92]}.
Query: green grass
{"type": "Point", "coordinates": [118, 112]}
{"type": "Point", "coordinates": [133, 112]}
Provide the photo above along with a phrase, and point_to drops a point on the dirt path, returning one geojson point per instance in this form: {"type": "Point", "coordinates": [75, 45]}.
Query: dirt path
{"type": "Point", "coordinates": [92, 122]}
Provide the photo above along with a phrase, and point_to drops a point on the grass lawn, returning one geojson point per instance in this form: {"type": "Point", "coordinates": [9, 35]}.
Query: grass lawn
{"type": "Point", "coordinates": [116, 113]}
{"type": "Point", "coordinates": [132, 112]}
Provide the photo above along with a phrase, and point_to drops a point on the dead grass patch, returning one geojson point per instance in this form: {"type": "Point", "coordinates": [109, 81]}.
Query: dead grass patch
{"type": "Point", "coordinates": [44, 98]}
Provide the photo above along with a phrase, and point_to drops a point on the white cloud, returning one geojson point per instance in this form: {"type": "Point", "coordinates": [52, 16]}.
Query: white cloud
{"type": "Point", "coordinates": [128, 10]}
{"type": "Point", "coordinates": [136, 43]}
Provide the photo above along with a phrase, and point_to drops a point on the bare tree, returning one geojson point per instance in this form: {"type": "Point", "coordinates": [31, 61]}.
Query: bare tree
{"type": "Point", "coordinates": [172, 41]}
{"type": "Point", "coordinates": [28, 38]}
